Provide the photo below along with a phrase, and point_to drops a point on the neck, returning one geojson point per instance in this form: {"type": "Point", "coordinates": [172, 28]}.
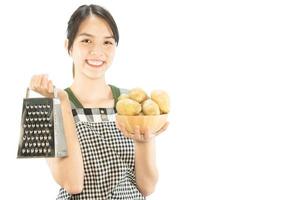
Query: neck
{"type": "Point", "coordinates": [89, 90]}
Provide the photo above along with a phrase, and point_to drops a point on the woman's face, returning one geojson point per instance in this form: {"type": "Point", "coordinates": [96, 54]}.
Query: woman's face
{"type": "Point", "coordinates": [93, 48]}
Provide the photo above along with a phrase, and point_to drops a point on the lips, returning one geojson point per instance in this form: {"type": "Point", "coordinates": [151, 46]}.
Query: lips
{"type": "Point", "coordinates": [94, 62]}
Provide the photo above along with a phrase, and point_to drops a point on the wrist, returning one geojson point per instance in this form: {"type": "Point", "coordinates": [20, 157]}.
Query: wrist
{"type": "Point", "coordinates": [63, 96]}
{"type": "Point", "coordinates": [144, 143]}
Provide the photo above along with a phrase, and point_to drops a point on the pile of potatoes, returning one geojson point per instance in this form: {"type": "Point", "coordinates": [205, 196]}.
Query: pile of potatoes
{"type": "Point", "coordinates": [137, 102]}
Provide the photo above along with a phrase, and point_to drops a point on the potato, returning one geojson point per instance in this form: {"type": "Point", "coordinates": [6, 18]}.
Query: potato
{"type": "Point", "coordinates": [138, 95]}
{"type": "Point", "coordinates": [149, 107]}
{"type": "Point", "coordinates": [123, 96]}
{"type": "Point", "coordinates": [128, 107]}
{"type": "Point", "coordinates": [162, 99]}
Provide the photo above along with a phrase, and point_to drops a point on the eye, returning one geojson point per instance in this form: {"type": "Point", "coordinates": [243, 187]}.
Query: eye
{"type": "Point", "coordinates": [86, 41]}
{"type": "Point", "coordinates": [108, 43]}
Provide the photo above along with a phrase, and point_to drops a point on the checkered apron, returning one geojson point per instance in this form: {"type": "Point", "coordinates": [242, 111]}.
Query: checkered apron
{"type": "Point", "coordinates": [108, 156]}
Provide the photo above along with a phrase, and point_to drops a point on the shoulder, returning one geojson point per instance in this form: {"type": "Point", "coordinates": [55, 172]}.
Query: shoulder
{"type": "Point", "coordinates": [124, 91]}
{"type": "Point", "coordinates": [118, 89]}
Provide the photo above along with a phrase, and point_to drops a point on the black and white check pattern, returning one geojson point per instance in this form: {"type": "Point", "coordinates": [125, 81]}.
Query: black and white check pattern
{"type": "Point", "coordinates": [108, 158]}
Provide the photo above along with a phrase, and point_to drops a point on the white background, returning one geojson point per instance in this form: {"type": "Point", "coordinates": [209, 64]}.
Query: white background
{"type": "Point", "coordinates": [230, 67]}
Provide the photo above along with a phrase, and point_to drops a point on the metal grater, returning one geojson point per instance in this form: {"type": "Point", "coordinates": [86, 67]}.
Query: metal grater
{"type": "Point", "coordinates": [42, 132]}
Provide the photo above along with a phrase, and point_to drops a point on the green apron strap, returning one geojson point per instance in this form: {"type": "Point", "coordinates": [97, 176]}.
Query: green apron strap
{"type": "Point", "coordinates": [73, 98]}
{"type": "Point", "coordinates": [116, 93]}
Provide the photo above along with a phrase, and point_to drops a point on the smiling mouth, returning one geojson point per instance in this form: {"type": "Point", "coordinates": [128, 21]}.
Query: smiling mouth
{"type": "Point", "coordinates": [94, 62]}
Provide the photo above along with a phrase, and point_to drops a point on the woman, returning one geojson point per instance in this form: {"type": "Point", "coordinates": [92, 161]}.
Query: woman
{"type": "Point", "coordinates": [102, 162]}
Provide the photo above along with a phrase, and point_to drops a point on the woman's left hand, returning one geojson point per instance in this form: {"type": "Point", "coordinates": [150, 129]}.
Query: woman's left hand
{"type": "Point", "coordinates": [139, 136]}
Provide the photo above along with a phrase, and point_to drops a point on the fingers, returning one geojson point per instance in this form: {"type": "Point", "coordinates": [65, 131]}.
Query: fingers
{"type": "Point", "coordinates": [148, 135]}
{"type": "Point", "coordinates": [50, 87]}
{"type": "Point", "coordinates": [33, 82]}
{"type": "Point", "coordinates": [117, 124]}
{"type": "Point", "coordinates": [137, 133]}
{"type": "Point", "coordinates": [41, 84]}
{"type": "Point", "coordinates": [44, 82]}
{"type": "Point", "coordinates": [140, 135]}
{"type": "Point", "coordinates": [36, 82]}
{"type": "Point", "coordinates": [165, 126]}
{"type": "Point", "coordinates": [122, 128]}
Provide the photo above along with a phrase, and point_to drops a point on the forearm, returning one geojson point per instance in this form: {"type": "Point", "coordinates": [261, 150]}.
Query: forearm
{"type": "Point", "coordinates": [68, 171]}
{"type": "Point", "coordinates": [145, 167]}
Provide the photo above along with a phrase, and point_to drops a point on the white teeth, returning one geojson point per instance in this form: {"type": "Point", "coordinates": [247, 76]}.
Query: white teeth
{"type": "Point", "coordinates": [95, 62]}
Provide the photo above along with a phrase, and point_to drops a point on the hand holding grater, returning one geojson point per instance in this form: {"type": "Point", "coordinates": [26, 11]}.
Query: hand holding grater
{"type": "Point", "coordinates": [42, 132]}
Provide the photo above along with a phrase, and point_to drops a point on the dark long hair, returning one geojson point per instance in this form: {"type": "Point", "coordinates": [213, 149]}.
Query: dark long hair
{"type": "Point", "coordinates": [80, 14]}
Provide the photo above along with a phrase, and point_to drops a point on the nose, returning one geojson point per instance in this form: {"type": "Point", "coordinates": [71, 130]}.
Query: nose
{"type": "Point", "coordinates": [92, 52]}
{"type": "Point", "coordinates": [97, 51]}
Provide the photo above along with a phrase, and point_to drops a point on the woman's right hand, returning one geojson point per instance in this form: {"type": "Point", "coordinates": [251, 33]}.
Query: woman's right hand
{"type": "Point", "coordinates": [42, 85]}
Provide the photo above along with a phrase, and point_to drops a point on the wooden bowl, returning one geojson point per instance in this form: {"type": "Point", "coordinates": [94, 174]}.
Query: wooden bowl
{"type": "Point", "coordinates": [151, 122]}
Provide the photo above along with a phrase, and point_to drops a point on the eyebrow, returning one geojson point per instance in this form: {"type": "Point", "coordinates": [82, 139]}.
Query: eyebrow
{"type": "Point", "coordinates": [90, 35]}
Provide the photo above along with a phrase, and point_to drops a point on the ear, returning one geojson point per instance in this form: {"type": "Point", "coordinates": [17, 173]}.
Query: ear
{"type": "Point", "coordinates": [66, 46]}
